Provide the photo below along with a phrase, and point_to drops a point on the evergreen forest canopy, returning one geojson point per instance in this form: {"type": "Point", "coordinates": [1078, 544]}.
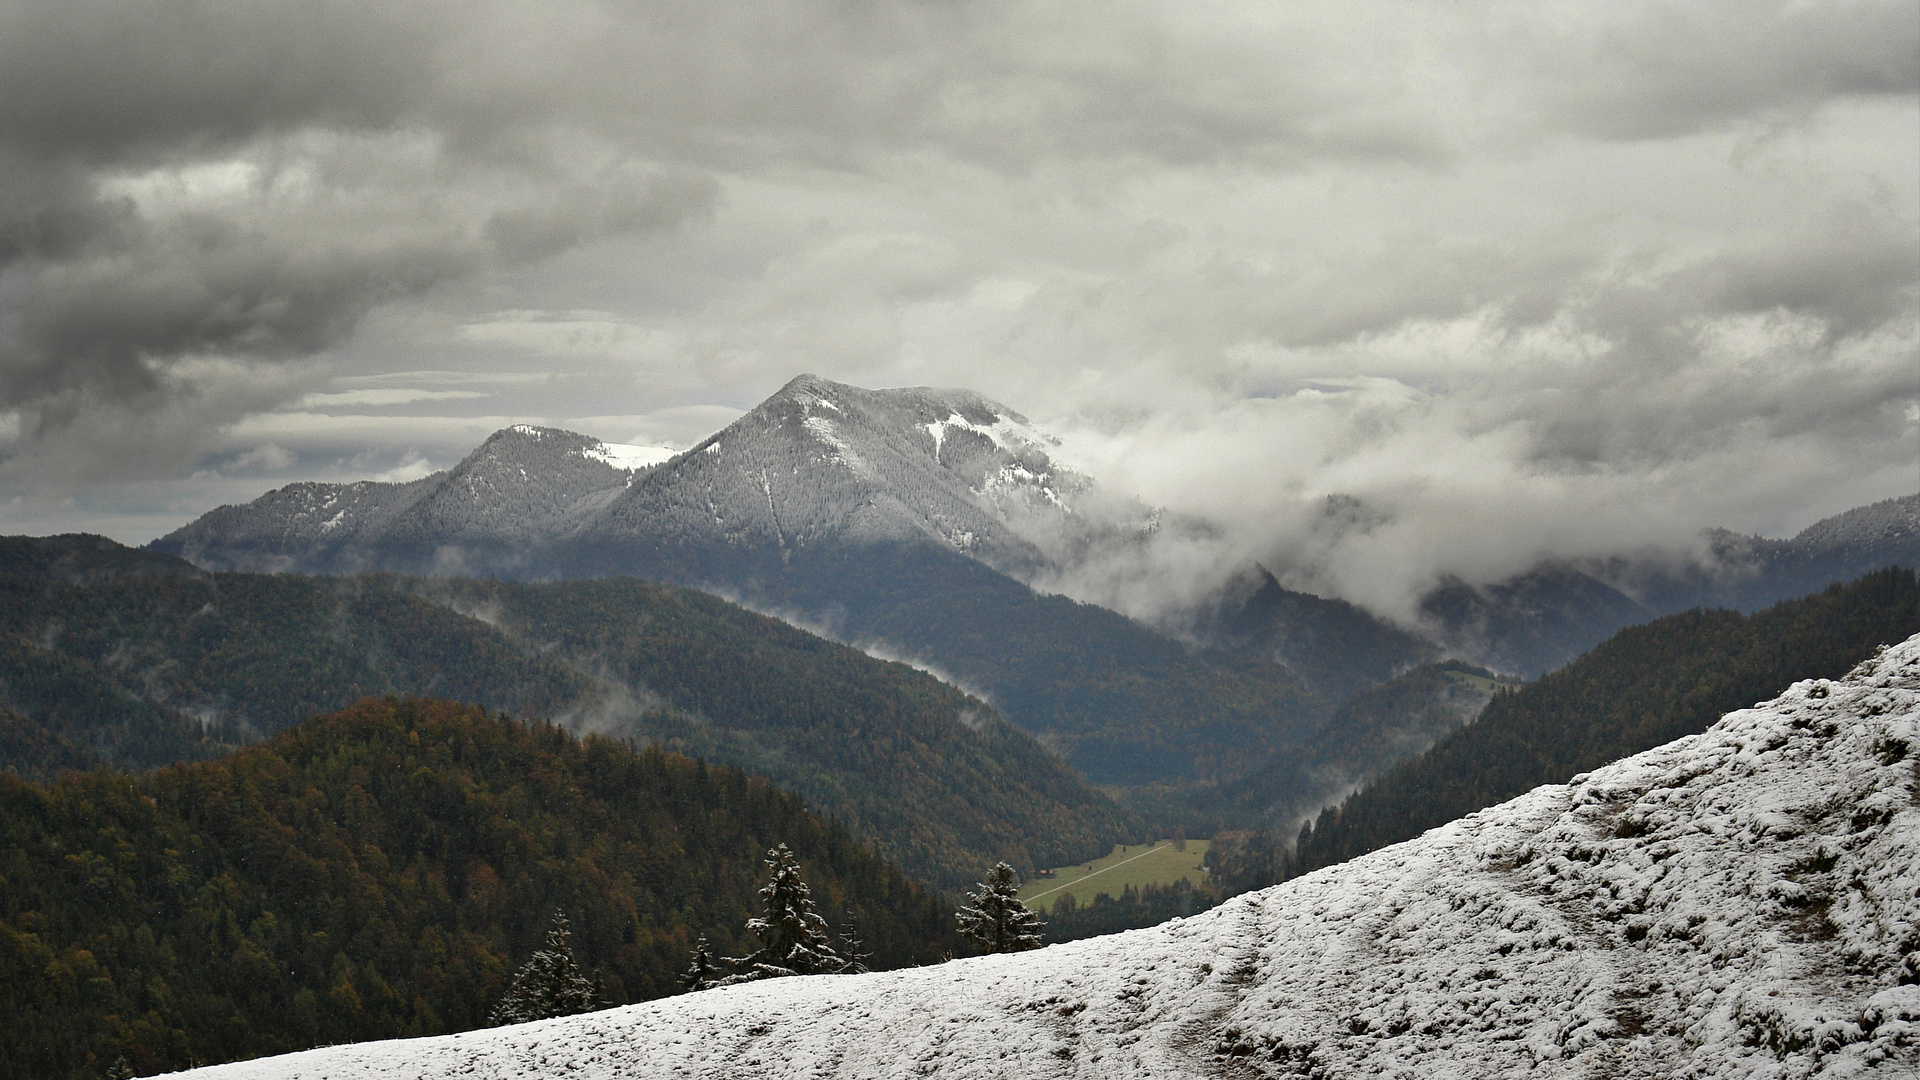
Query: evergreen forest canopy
{"type": "Point", "coordinates": [381, 872]}
{"type": "Point", "coordinates": [134, 659]}
{"type": "Point", "coordinates": [1645, 686]}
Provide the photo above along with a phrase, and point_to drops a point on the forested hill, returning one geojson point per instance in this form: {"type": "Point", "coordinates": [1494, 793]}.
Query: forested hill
{"type": "Point", "coordinates": [380, 873]}
{"type": "Point", "coordinates": [138, 669]}
{"type": "Point", "coordinates": [1645, 686]}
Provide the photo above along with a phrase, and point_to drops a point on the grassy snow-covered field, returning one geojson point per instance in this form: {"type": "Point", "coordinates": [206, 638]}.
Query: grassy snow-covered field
{"type": "Point", "coordinates": [1740, 903]}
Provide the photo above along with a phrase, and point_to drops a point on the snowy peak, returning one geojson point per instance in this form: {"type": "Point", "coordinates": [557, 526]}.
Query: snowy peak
{"type": "Point", "coordinates": [524, 441]}
{"type": "Point", "coordinates": [524, 486]}
{"type": "Point", "coordinates": [821, 462]}
{"type": "Point", "coordinates": [987, 447]}
{"type": "Point", "coordinates": [1743, 902]}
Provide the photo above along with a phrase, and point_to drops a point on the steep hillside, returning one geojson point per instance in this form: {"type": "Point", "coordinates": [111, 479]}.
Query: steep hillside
{"type": "Point", "coordinates": [933, 776]}
{"type": "Point", "coordinates": [154, 668]}
{"type": "Point", "coordinates": [1643, 687]}
{"type": "Point", "coordinates": [1755, 572]}
{"type": "Point", "coordinates": [381, 872]}
{"type": "Point", "coordinates": [1368, 734]}
{"type": "Point", "coordinates": [523, 487]}
{"type": "Point", "coordinates": [1743, 902]}
{"type": "Point", "coordinates": [1531, 624]}
{"type": "Point", "coordinates": [1126, 706]}
{"type": "Point", "coordinates": [1333, 647]}
{"type": "Point", "coordinates": [1542, 619]}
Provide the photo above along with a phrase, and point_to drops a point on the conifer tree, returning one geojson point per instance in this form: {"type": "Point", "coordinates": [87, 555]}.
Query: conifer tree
{"type": "Point", "coordinates": [995, 920]}
{"type": "Point", "coordinates": [549, 984]}
{"type": "Point", "coordinates": [704, 971]}
{"type": "Point", "coordinates": [855, 960]}
{"type": "Point", "coordinates": [793, 936]}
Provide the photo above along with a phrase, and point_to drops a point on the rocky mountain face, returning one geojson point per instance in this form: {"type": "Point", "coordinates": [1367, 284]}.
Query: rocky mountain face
{"type": "Point", "coordinates": [816, 465]}
{"type": "Point", "coordinates": [1742, 902]}
{"type": "Point", "coordinates": [524, 488]}
{"type": "Point", "coordinates": [821, 464]}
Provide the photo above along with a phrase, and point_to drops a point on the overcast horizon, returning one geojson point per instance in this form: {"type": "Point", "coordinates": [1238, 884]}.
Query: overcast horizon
{"type": "Point", "coordinates": [1525, 279]}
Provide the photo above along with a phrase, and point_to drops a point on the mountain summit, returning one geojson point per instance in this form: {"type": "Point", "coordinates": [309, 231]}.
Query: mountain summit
{"type": "Point", "coordinates": [817, 464]}
{"type": "Point", "coordinates": [823, 463]}
{"type": "Point", "coordinates": [494, 512]}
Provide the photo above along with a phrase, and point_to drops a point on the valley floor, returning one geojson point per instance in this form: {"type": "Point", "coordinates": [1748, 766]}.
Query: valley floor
{"type": "Point", "coordinates": [1738, 903]}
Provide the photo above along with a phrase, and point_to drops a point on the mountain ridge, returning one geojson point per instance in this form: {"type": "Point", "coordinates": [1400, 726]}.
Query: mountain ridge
{"type": "Point", "coordinates": [157, 668]}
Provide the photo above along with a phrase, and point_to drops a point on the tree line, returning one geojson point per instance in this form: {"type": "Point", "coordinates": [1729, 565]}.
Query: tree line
{"type": "Point", "coordinates": [376, 873]}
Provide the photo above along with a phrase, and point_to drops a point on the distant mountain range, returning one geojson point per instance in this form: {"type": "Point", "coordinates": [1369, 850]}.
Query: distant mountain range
{"type": "Point", "coordinates": [893, 520]}
{"type": "Point", "coordinates": [909, 523]}
{"type": "Point", "coordinates": [1554, 613]}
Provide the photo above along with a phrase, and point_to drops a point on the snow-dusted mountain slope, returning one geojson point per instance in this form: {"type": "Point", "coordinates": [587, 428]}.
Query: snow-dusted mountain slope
{"type": "Point", "coordinates": [1536, 621]}
{"type": "Point", "coordinates": [521, 488]}
{"type": "Point", "coordinates": [1752, 572]}
{"type": "Point", "coordinates": [821, 462]}
{"type": "Point", "coordinates": [1744, 902]}
{"type": "Point", "coordinates": [818, 463]}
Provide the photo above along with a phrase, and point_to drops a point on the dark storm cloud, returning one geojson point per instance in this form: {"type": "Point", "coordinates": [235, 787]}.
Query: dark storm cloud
{"type": "Point", "coordinates": [108, 83]}
{"type": "Point", "coordinates": [244, 180]}
{"type": "Point", "coordinates": [1639, 71]}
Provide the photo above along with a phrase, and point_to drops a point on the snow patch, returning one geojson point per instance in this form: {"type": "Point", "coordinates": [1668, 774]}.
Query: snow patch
{"type": "Point", "coordinates": [822, 429]}
{"type": "Point", "coordinates": [627, 456]}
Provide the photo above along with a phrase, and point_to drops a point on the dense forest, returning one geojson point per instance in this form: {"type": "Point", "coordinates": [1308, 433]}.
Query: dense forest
{"type": "Point", "coordinates": [896, 754]}
{"type": "Point", "coordinates": [1371, 731]}
{"type": "Point", "coordinates": [380, 872]}
{"type": "Point", "coordinates": [1645, 686]}
{"type": "Point", "coordinates": [1128, 707]}
{"type": "Point", "coordinates": [136, 659]}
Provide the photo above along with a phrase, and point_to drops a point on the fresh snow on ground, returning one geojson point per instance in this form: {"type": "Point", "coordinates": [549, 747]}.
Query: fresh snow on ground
{"type": "Point", "coordinates": [1741, 903]}
{"type": "Point", "coordinates": [629, 456]}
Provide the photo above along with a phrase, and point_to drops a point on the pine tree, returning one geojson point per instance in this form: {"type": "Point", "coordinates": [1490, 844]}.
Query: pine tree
{"type": "Point", "coordinates": [704, 971]}
{"type": "Point", "coordinates": [793, 937]}
{"type": "Point", "coordinates": [549, 983]}
{"type": "Point", "coordinates": [995, 920]}
{"type": "Point", "coordinates": [855, 962]}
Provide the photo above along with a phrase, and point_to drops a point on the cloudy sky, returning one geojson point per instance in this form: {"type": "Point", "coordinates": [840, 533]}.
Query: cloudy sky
{"type": "Point", "coordinates": [1524, 277]}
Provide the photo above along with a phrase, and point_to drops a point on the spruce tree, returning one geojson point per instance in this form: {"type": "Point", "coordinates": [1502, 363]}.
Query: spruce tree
{"type": "Point", "coordinates": [855, 947]}
{"type": "Point", "coordinates": [549, 984]}
{"type": "Point", "coordinates": [704, 971]}
{"type": "Point", "coordinates": [995, 920]}
{"type": "Point", "coordinates": [793, 937]}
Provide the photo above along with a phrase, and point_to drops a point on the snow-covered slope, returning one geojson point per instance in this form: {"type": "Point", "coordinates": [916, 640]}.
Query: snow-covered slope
{"type": "Point", "coordinates": [821, 462]}
{"type": "Point", "coordinates": [818, 463]}
{"type": "Point", "coordinates": [521, 488]}
{"type": "Point", "coordinates": [1744, 902]}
